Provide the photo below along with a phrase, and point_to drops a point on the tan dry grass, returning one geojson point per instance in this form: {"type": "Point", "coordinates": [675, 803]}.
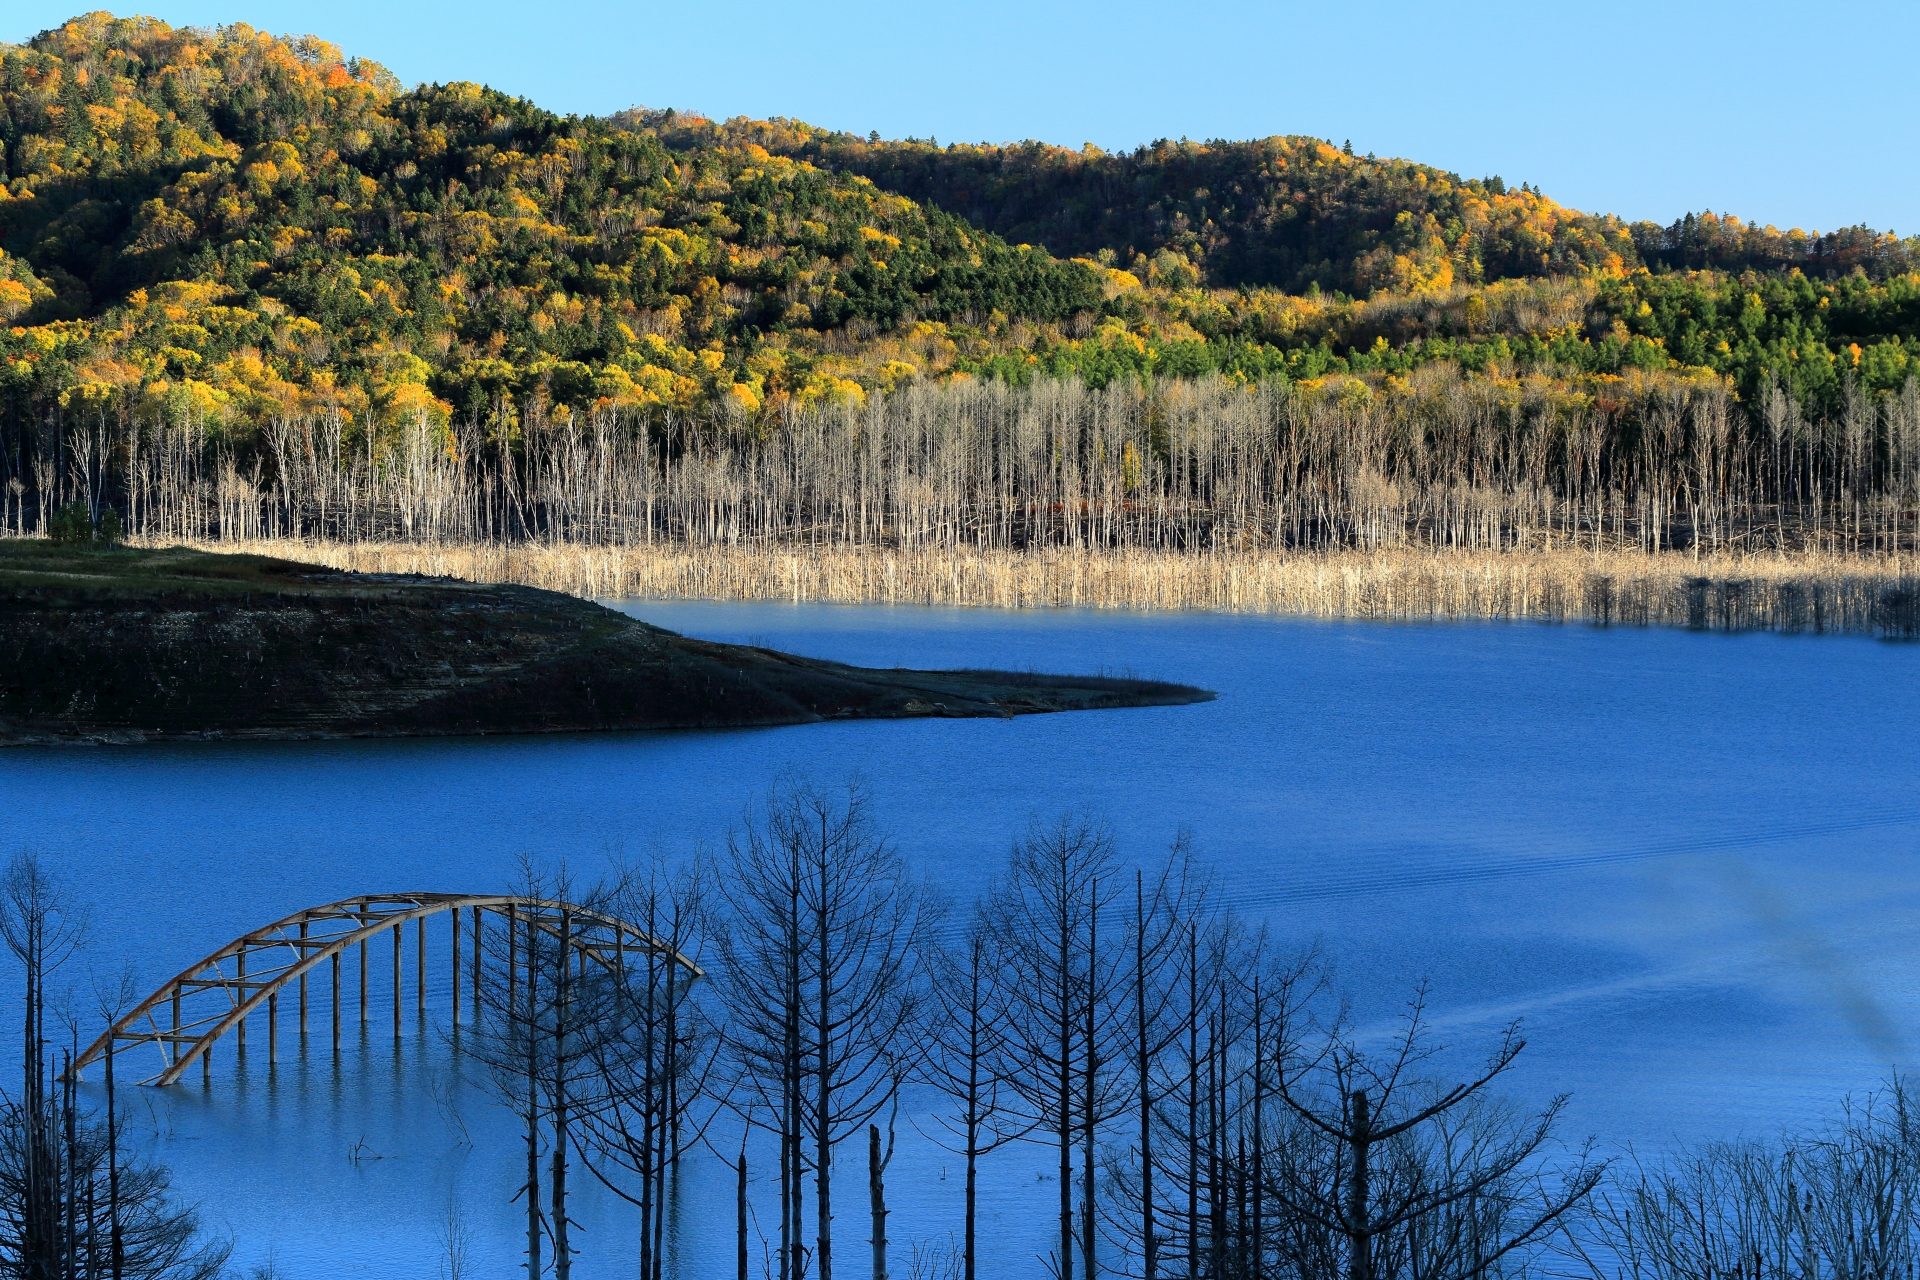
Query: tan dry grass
{"type": "Point", "coordinates": [1793, 593]}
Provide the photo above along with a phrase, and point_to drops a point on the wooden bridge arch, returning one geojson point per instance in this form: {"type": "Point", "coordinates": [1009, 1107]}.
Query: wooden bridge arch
{"type": "Point", "coordinates": [186, 1015]}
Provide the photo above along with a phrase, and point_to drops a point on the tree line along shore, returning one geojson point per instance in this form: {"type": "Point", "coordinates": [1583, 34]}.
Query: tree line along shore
{"type": "Point", "coordinates": [1438, 461]}
{"type": "Point", "coordinates": [1448, 497]}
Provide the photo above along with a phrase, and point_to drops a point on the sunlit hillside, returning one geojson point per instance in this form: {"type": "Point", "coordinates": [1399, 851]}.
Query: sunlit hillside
{"type": "Point", "coordinates": [233, 225]}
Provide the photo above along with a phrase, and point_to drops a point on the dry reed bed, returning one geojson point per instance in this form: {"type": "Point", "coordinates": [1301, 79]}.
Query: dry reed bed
{"type": "Point", "coordinates": [1817, 593]}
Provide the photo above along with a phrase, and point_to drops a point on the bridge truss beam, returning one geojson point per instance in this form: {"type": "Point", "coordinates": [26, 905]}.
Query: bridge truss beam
{"type": "Point", "coordinates": [185, 1016]}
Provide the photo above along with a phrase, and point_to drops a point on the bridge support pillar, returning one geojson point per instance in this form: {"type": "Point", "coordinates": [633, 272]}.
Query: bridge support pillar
{"type": "Point", "coordinates": [397, 931]}
{"type": "Point", "coordinates": [476, 966]}
{"type": "Point", "coordinates": [240, 997]}
{"type": "Point", "coordinates": [456, 968]}
{"type": "Point", "coordinates": [303, 988]}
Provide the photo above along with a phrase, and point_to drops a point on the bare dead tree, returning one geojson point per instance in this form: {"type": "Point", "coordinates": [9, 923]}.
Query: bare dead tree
{"type": "Point", "coordinates": [542, 1019]}
{"type": "Point", "coordinates": [1160, 920]}
{"type": "Point", "coordinates": [58, 1166]}
{"type": "Point", "coordinates": [879, 1156]}
{"type": "Point", "coordinates": [1043, 918]}
{"type": "Point", "coordinates": [159, 1237]}
{"type": "Point", "coordinates": [758, 939]}
{"type": "Point", "coordinates": [1842, 1200]}
{"type": "Point", "coordinates": [1219, 1000]}
{"type": "Point", "coordinates": [823, 950]}
{"type": "Point", "coordinates": [1418, 1179]}
{"type": "Point", "coordinates": [653, 1059]}
{"type": "Point", "coordinates": [43, 929]}
{"type": "Point", "coordinates": [967, 1060]}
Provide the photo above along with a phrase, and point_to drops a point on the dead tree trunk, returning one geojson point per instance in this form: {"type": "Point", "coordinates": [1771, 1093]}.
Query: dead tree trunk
{"type": "Point", "coordinates": [877, 1199]}
{"type": "Point", "coordinates": [740, 1215]}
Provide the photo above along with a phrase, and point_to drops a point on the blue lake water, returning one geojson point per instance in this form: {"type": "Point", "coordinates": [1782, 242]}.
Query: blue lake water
{"type": "Point", "coordinates": [1688, 861]}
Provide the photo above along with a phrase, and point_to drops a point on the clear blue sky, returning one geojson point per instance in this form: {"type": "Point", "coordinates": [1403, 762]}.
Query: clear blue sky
{"type": "Point", "coordinates": [1799, 115]}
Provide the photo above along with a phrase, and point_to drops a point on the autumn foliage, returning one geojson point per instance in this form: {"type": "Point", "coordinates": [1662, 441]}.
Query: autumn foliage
{"type": "Point", "coordinates": [231, 227]}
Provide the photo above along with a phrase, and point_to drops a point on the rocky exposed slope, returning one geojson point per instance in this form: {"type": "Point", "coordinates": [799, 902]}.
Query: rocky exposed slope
{"type": "Point", "coordinates": [132, 646]}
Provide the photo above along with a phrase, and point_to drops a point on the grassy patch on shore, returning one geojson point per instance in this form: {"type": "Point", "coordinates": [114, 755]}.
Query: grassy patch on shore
{"type": "Point", "coordinates": [30, 564]}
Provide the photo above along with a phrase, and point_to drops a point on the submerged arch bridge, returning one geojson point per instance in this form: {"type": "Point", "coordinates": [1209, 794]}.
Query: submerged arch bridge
{"type": "Point", "coordinates": [186, 1016]}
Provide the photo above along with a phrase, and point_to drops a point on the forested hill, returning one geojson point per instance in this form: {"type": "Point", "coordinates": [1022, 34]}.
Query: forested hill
{"type": "Point", "coordinates": [229, 227]}
{"type": "Point", "coordinates": [245, 220]}
{"type": "Point", "coordinates": [1285, 212]}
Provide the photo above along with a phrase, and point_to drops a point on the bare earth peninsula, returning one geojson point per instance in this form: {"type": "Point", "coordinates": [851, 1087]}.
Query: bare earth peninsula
{"type": "Point", "coordinates": [130, 645]}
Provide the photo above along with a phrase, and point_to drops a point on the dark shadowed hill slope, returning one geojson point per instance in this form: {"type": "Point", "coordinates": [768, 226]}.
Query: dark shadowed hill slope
{"type": "Point", "coordinates": [131, 646]}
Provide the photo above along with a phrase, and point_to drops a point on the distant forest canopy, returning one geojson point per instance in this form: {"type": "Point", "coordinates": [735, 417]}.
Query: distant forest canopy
{"type": "Point", "coordinates": [232, 227]}
{"type": "Point", "coordinates": [1286, 213]}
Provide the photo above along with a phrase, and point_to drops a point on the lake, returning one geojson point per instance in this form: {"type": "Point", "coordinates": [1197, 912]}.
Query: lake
{"type": "Point", "coordinates": [1688, 861]}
